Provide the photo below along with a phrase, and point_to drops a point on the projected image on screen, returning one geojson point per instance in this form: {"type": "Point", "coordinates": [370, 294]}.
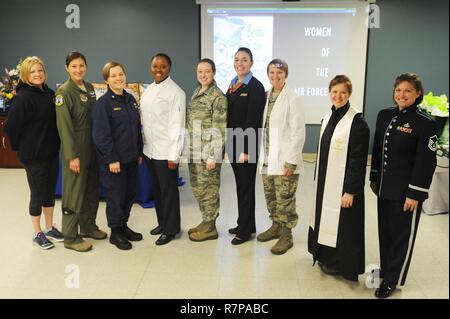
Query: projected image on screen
{"type": "Point", "coordinates": [317, 43]}
{"type": "Point", "coordinates": [247, 31]}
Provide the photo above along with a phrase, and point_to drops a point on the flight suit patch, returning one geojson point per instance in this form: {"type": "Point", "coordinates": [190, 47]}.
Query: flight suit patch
{"type": "Point", "coordinates": [83, 98]}
{"type": "Point", "coordinates": [243, 94]}
{"type": "Point", "coordinates": [59, 100]}
{"type": "Point", "coordinates": [117, 109]}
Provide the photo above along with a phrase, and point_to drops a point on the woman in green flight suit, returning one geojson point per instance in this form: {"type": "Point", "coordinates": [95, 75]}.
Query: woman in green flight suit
{"type": "Point", "coordinates": [80, 180]}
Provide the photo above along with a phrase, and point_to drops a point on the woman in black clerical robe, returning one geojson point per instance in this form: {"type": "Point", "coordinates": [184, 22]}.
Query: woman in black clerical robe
{"type": "Point", "coordinates": [336, 233]}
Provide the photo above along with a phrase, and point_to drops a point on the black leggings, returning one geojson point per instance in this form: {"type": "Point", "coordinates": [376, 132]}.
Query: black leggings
{"type": "Point", "coordinates": [42, 182]}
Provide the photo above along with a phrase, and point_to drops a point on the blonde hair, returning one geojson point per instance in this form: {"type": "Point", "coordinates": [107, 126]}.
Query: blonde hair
{"type": "Point", "coordinates": [25, 68]}
{"type": "Point", "coordinates": [108, 66]}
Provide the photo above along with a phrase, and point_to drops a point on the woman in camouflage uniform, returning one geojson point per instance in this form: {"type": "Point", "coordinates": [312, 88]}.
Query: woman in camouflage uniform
{"type": "Point", "coordinates": [281, 160]}
{"type": "Point", "coordinates": [206, 121]}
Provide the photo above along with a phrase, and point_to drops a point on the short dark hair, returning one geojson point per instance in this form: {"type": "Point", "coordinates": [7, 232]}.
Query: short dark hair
{"type": "Point", "coordinates": [108, 66]}
{"type": "Point", "coordinates": [73, 55]}
{"type": "Point", "coordinates": [414, 80]}
{"type": "Point", "coordinates": [246, 50]}
{"type": "Point", "coordinates": [279, 64]}
{"type": "Point", "coordinates": [210, 62]}
{"type": "Point", "coordinates": [164, 56]}
{"type": "Point", "coordinates": [341, 79]}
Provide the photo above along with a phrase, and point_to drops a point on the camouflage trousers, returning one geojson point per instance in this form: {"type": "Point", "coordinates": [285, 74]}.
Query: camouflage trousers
{"type": "Point", "coordinates": [280, 191]}
{"type": "Point", "coordinates": [205, 186]}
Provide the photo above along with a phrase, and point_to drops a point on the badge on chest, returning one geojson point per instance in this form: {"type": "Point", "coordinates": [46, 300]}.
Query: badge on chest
{"type": "Point", "coordinates": [406, 128]}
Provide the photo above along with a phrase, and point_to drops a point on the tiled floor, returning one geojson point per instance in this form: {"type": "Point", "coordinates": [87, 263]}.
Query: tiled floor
{"type": "Point", "coordinates": [212, 269]}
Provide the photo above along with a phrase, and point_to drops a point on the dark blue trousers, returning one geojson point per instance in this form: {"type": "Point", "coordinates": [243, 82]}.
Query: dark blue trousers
{"type": "Point", "coordinates": [397, 232]}
{"type": "Point", "coordinates": [120, 192]}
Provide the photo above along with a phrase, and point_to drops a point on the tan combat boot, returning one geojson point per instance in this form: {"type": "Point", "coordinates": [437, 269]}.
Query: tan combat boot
{"type": "Point", "coordinates": [197, 228]}
{"type": "Point", "coordinates": [95, 234]}
{"type": "Point", "coordinates": [81, 246]}
{"type": "Point", "coordinates": [284, 243]}
{"type": "Point", "coordinates": [207, 232]}
{"type": "Point", "coordinates": [272, 233]}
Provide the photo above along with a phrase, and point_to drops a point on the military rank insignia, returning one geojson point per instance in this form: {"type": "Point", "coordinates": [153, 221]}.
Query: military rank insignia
{"type": "Point", "coordinates": [59, 100]}
{"type": "Point", "coordinates": [433, 143]}
{"type": "Point", "coordinates": [83, 98]}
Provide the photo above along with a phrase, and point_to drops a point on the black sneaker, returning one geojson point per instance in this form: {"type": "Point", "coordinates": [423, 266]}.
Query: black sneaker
{"type": "Point", "coordinates": [42, 242]}
{"type": "Point", "coordinates": [54, 234]}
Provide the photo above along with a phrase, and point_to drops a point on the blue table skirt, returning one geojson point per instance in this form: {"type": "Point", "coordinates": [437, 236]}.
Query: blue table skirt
{"type": "Point", "coordinates": [144, 195]}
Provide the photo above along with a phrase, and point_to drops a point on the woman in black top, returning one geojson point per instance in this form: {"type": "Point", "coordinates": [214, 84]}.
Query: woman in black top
{"type": "Point", "coordinates": [403, 163]}
{"type": "Point", "coordinates": [246, 101]}
{"type": "Point", "coordinates": [336, 233]}
{"type": "Point", "coordinates": [31, 128]}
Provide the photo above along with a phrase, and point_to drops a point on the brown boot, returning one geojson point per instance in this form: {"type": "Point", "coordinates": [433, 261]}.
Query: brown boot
{"type": "Point", "coordinates": [95, 234]}
{"type": "Point", "coordinates": [197, 228]}
{"type": "Point", "coordinates": [81, 246]}
{"type": "Point", "coordinates": [207, 232]}
{"type": "Point", "coordinates": [284, 243]}
{"type": "Point", "coordinates": [272, 233]}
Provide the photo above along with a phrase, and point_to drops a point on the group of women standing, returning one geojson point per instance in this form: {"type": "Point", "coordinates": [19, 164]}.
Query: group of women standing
{"type": "Point", "coordinates": [112, 136]}
{"type": "Point", "coordinates": [403, 163]}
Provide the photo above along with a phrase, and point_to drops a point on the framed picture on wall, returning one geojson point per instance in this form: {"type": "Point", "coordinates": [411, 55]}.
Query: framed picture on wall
{"type": "Point", "coordinates": [100, 89]}
{"type": "Point", "coordinates": [142, 88]}
{"type": "Point", "coordinates": [133, 89]}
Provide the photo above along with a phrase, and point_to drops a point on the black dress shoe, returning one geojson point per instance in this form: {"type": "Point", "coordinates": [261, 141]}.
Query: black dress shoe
{"type": "Point", "coordinates": [118, 239]}
{"type": "Point", "coordinates": [233, 231]}
{"type": "Point", "coordinates": [385, 290]}
{"type": "Point", "coordinates": [131, 235]}
{"type": "Point", "coordinates": [164, 239]}
{"type": "Point", "coordinates": [156, 231]}
{"type": "Point", "coordinates": [238, 239]}
{"type": "Point", "coordinates": [328, 270]}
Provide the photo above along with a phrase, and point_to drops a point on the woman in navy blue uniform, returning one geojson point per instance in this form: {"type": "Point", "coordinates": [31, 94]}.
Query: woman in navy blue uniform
{"type": "Point", "coordinates": [246, 102]}
{"type": "Point", "coordinates": [403, 163]}
{"type": "Point", "coordinates": [116, 132]}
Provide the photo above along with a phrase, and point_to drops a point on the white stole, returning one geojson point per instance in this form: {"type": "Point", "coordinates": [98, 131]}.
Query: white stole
{"type": "Point", "coordinates": [334, 179]}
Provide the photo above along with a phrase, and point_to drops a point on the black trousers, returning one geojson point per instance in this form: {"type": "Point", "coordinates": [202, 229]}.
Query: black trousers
{"type": "Point", "coordinates": [245, 176]}
{"type": "Point", "coordinates": [166, 195]}
{"type": "Point", "coordinates": [42, 179]}
{"type": "Point", "coordinates": [397, 231]}
{"type": "Point", "coordinates": [120, 192]}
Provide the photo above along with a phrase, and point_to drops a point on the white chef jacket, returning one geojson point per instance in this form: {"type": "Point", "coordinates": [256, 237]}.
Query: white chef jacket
{"type": "Point", "coordinates": [163, 112]}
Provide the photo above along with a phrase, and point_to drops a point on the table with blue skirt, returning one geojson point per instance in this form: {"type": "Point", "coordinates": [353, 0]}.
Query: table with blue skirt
{"type": "Point", "coordinates": [144, 194]}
